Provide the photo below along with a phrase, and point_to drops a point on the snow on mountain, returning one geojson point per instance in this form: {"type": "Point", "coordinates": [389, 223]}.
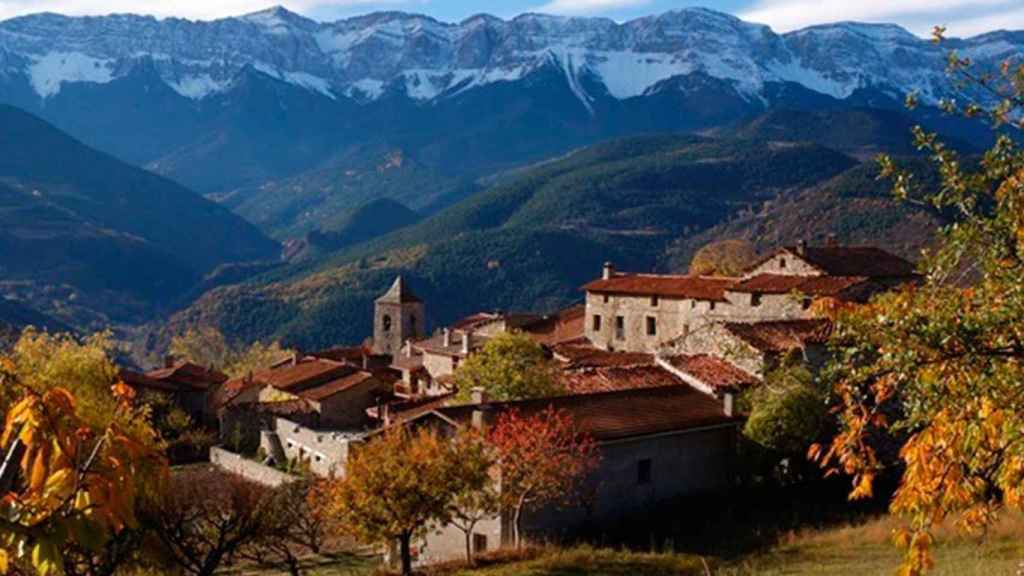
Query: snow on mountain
{"type": "Point", "coordinates": [367, 56]}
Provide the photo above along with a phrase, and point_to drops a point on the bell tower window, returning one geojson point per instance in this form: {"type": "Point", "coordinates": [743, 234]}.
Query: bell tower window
{"type": "Point", "coordinates": [386, 323]}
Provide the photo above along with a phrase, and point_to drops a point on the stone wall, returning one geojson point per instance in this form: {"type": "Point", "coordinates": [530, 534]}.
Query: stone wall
{"type": "Point", "coordinates": [325, 451]}
{"type": "Point", "coordinates": [785, 264]}
{"type": "Point", "coordinates": [249, 469]}
{"type": "Point", "coordinates": [672, 318]}
{"type": "Point", "coordinates": [633, 475]}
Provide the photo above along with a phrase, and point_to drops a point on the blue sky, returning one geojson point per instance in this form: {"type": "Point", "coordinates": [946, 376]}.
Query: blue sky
{"type": "Point", "coordinates": [962, 17]}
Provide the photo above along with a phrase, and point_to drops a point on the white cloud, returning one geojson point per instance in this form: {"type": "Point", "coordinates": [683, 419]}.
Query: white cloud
{"type": "Point", "coordinates": [917, 15]}
{"type": "Point", "coordinates": [576, 7]}
{"type": "Point", "coordinates": [195, 9]}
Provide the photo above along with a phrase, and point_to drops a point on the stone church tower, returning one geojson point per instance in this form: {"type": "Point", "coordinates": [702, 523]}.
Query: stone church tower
{"type": "Point", "coordinates": [398, 316]}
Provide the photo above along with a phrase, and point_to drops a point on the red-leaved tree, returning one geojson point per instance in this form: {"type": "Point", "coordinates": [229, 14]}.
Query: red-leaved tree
{"type": "Point", "coordinates": [543, 457]}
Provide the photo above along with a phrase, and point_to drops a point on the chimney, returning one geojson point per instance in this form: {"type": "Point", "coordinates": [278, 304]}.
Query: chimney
{"type": "Point", "coordinates": [366, 361]}
{"type": "Point", "coordinates": [801, 247]}
{"type": "Point", "coordinates": [728, 402]}
{"type": "Point", "coordinates": [465, 341]}
{"type": "Point", "coordinates": [408, 348]}
{"type": "Point", "coordinates": [169, 361]}
{"type": "Point", "coordinates": [479, 397]}
{"type": "Point", "coordinates": [295, 359]}
{"type": "Point", "coordinates": [608, 271]}
{"type": "Point", "coordinates": [446, 336]}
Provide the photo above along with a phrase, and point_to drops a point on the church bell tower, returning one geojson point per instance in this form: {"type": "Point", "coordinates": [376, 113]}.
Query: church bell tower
{"type": "Point", "coordinates": [398, 316]}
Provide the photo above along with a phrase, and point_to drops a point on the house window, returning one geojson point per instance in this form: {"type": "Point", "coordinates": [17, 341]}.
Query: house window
{"type": "Point", "coordinates": [654, 301]}
{"type": "Point", "coordinates": [693, 304]}
{"type": "Point", "coordinates": [479, 543]}
{"type": "Point", "coordinates": [597, 322]}
{"type": "Point", "coordinates": [712, 306]}
{"type": "Point", "coordinates": [782, 263]}
{"type": "Point", "coordinates": [386, 322]}
{"type": "Point", "coordinates": [755, 299]}
{"type": "Point", "coordinates": [643, 471]}
{"type": "Point", "coordinates": [291, 445]}
{"type": "Point", "coordinates": [605, 298]}
{"type": "Point", "coordinates": [620, 328]}
{"type": "Point", "coordinates": [652, 326]}
{"type": "Point", "coordinates": [807, 303]}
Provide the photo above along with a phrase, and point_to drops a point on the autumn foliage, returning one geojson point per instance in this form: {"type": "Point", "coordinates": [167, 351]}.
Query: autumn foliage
{"type": "Point", "coordinates": [72, 473]}
{"type": "Point", "coordinates": [938, 369]}
{"type": "Point", "coordinates": [543, 458]}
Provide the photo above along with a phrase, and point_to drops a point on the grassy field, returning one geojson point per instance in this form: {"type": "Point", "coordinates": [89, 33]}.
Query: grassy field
{"type": "Point", "coordinates": [860, 550]}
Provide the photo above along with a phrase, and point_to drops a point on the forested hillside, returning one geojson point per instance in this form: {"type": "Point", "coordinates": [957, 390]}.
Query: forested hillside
{"type": "Point", "coordinates": [89, 239]}
{"type": "Point", "coordinates": [526, 243]}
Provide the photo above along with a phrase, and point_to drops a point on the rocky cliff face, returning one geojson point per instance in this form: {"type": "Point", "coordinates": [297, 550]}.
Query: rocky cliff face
{"type": "Point", "coordinates": [368, 57]}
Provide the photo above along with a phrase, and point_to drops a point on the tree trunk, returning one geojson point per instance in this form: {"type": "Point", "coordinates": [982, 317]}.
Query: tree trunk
{"type": "Point", "coordinates": [406, 552]}
{"type": "Point", "coordinates": [469, 547]}
{"type": "Point", "coordinates": [515, 526]}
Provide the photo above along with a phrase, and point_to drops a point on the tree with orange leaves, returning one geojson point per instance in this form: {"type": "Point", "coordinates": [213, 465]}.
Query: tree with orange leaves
{"type": "Point", "coordinates": [941, 365]}
{"type": "Point", "coordinates": [543, 458]}
{"type": "Point", "coordinates": [78, 455]}
{"type": "Point", "coordinates": [395, 486]}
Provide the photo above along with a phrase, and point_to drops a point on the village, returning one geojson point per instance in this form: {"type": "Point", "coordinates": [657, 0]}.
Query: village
{"type": "Point", "coordinates": [650, 366]}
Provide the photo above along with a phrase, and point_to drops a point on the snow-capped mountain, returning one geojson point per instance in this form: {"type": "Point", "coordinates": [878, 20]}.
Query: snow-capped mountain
{"type": "Point", "coordinates": [366, 57]}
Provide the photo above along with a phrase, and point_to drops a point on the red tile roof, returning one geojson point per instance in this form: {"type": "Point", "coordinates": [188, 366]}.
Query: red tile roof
{"type": "Point", "coordinates": [588, 356]}
{"type": "Point", "coordinates": [324, 391]}
{"type": "Point", "coordinates": [564, 326]}
{"type": "Point", "coordinates": [691, 287]}
{"type": "Point", "coordinates": [618, 415]}
{"type": "Point", "coordinates": [849, 261]}
{"type": "Point", "coordinates": [184, 375]}
{"type": "Point", "coordinates": [611, 379]}
{"type": "Point", "coordinates": [855, 261]}
{"type": "Point", "coordinates": [782, 336]}
{"type": "Point", "coordinates": [715, 372]}
{"type": "Point", "coordinates": [306, 373]}
{"type": "Point", "coordinates": [810, 285]}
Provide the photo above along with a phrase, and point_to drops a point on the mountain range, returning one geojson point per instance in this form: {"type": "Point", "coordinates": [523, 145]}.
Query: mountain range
{"type": "Point", "coordinates": [269, 174]}
{"type": "Point", "coordinates": [295, 123]}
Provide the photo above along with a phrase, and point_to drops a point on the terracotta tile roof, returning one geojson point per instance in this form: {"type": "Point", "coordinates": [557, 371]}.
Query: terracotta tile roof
{"type": "Point", "coordinates": [855, 261]}
{"type": "Point", "coordinates": [848, 261]}
{"type": "Point", "coordinates": [283, 408]}
{"type": "Point", "coordinates": [185, 374]}
{"type": "Point", "coordinates": [350, 354]}
{"type": "Point", "coordinates": [714, 372]}
{"type": "Point", "coordinates": [409, 409]}
{"type": "Point", "coordinates": [230, 390]}
{"type": "Point", "coordinates": [564, 326]}
{"type": "Point", "coordinates": [328, 389]}
{"type": "Point", "coordinates": [474, 321]}
{"type": "Point", "coordinates": [618, 415]}
{"type": "Point", "coordinates": [588, 356]}
{"type": "Point", "coordinates": [692, 287]}
{"type": "Point", "coordinates": [782, 336]}
{"type": "Point", "coordinates": [304, 374]}
{"type": "Point", "coordinates": [810, 285]}
{"type": "Point", "coordinates": [140, 380]}
{"type": "Point", "coordinates": [611, 379]}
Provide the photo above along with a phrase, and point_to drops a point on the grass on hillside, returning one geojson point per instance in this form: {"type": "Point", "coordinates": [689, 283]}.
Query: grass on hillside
{"type": "Point", "coordinates": [862, 550]}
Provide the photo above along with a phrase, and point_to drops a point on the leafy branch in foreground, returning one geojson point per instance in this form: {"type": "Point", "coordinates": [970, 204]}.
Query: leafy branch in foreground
{"type": "Point", "coordinates": [940, 365]}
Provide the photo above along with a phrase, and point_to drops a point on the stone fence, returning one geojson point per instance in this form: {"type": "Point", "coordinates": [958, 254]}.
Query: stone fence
{"type": "Point", "coordinates": [249, 469]}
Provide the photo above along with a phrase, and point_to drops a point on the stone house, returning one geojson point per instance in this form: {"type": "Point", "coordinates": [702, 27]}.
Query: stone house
{"type": "Point", "coordinates": [325, 452]}
{"type": "Point", "coordinates": [656, 444]}
{"type": "Point", "coordinates": [315, 392]}
{"type": "Point", "coordinates": [191, 386]}
{"type": "Point", "coordinates": [643, 312]}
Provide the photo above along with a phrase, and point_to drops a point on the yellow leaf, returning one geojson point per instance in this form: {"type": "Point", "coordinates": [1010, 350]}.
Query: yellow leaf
{"type": "Point", "coordinates": [3, 562]}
